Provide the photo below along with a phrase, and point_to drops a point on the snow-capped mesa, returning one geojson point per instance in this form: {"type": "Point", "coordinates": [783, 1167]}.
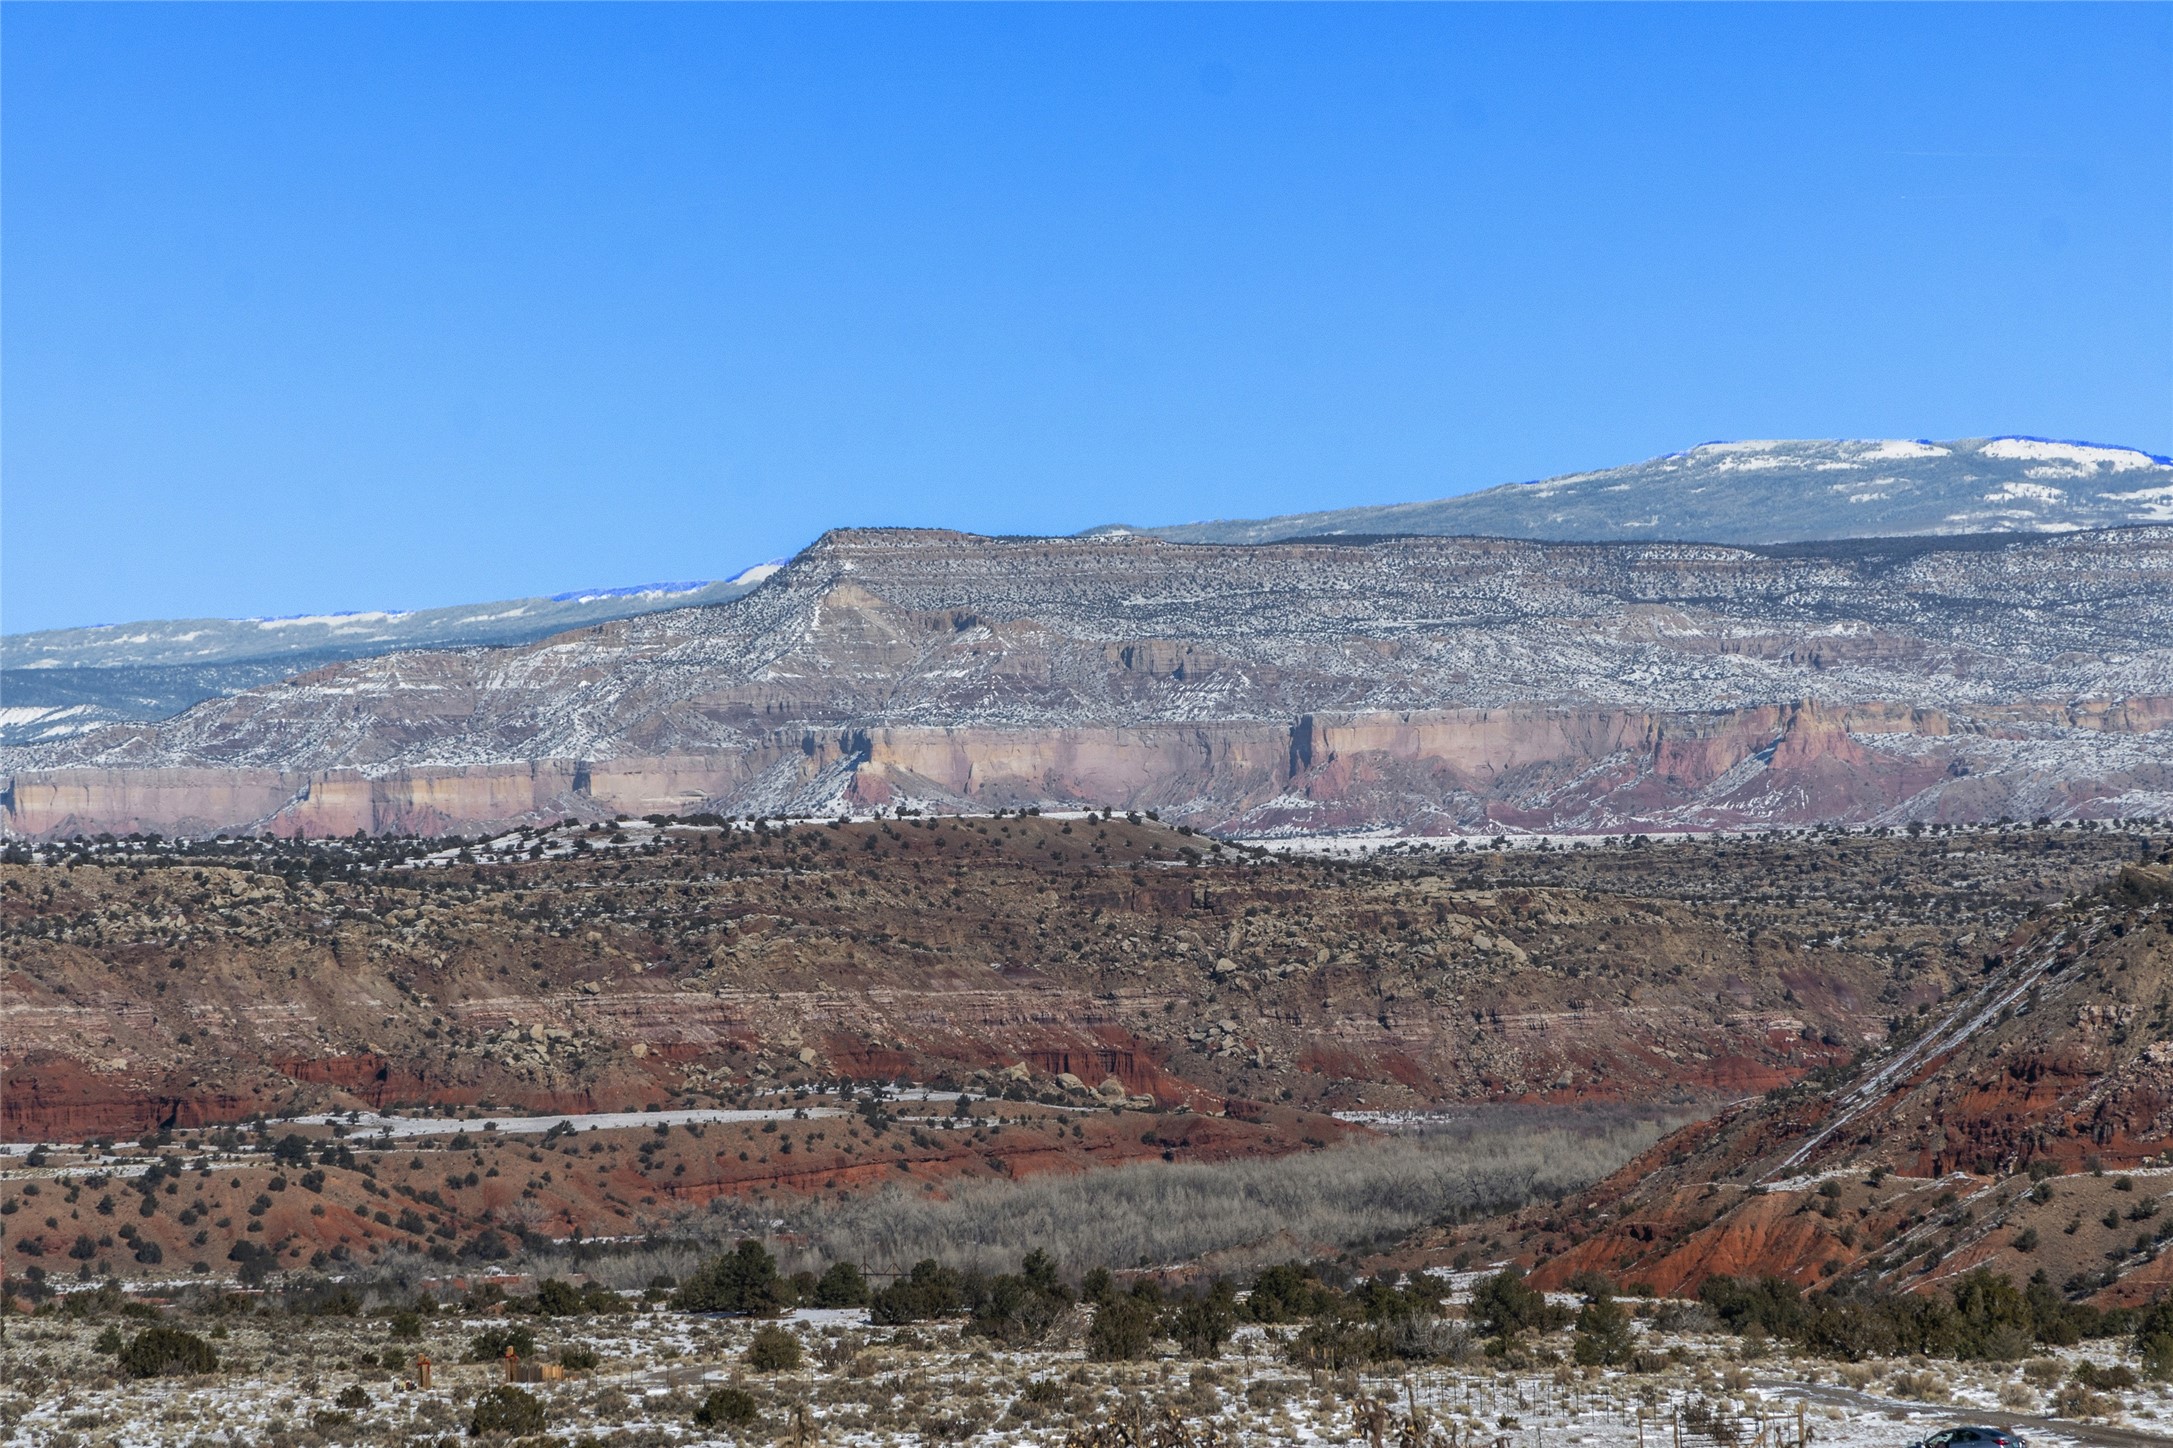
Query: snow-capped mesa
{"type": "Point", "coordinates": [1778, 492]}
{"type": "Point", "coordinates": [63, 681]}
{"type": "Point", "coordinates": [752, 576]}
{"type": "Point", "coordinates": [1408, 684]}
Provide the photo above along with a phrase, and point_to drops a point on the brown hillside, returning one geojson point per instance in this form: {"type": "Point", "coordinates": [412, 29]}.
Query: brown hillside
{"type": "Point", "coordinates": [2026, 1123]}
{"type": "Point", "coordinates": [162, 988]}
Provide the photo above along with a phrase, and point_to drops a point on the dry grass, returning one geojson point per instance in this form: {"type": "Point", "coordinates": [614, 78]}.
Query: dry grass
{"type": "Point", "coordinates": [1923, 1385]}
{"type": "Point", "coordinates": [1154, 1213]}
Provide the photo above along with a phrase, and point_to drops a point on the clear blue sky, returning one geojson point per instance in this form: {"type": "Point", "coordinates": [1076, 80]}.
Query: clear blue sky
{"type": "Point", "coordinates": [328, 307]}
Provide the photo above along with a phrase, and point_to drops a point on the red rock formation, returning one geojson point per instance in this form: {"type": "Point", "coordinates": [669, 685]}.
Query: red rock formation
{"type": "Point", "coordinates": [2045, 1063]}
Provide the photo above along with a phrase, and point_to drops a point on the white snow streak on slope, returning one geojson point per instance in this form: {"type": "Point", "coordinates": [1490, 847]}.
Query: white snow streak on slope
{"type": "Point", "coordinates": [2026, 449]}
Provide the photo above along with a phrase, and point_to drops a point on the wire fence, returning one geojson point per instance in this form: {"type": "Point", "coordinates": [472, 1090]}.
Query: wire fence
{"type": "Point", "coordinates": [1422, 1409]}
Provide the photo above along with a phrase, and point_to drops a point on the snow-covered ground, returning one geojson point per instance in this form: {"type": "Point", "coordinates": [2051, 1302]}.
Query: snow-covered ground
{"type": "Point", "coordinates": [284, 1376]}
{"type": "Point", "coordinates": [361, 1127]}
{"type": "Point", "coordinates": [366, 1124]}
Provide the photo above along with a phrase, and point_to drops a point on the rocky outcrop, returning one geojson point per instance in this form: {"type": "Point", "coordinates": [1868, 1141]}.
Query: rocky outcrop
{"type": "Point", "coordinates": [51, 1096]}
{"type": "Point", "coordinates": [1414, 684]}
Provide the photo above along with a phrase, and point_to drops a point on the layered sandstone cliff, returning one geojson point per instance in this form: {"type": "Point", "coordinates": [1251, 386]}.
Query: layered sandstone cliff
{"type": "Point", "coordinates": [1414, 683]}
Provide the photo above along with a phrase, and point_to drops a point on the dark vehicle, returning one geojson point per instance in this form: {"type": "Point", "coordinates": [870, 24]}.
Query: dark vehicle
{"type": "Point", "coordinates": [1972, 1438]}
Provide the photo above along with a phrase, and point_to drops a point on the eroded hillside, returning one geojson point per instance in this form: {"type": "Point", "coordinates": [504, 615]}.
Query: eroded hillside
{"type": "Point", "coordinates": [150, 986]}
{"type": "Point", "coordinates": [2025, 1123]}
{"type": "Point", "coordinates": [1106, 990]}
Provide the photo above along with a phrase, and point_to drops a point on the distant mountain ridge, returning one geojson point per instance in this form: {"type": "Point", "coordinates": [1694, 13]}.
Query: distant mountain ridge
{"type": "Point", "coordinates": [1773, 492]}
{"type": "Point", "coordinates": [59, 682]}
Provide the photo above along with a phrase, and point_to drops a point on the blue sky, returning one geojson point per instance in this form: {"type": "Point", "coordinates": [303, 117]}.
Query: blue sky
{"type": "Point", "coordinates": [327, 307]}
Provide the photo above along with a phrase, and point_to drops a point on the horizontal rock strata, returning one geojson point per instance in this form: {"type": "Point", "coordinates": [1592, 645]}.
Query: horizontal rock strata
{"type": "Point", "coordinates": [1416, 684]}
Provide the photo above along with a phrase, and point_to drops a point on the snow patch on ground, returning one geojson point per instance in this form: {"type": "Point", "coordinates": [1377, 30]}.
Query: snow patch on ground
{"type": "Point", "coordinates": [338, 622]}
{"type": "Point", "coordinates": [2025, 492]}
{"type": "Point", "coordinates": [1894, 449]}
{"type": "Point", "coordinates": [2030, 449]}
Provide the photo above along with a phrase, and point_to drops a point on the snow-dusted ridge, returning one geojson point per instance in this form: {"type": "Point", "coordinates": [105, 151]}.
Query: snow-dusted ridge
{"type": "Point", "coordinates": [59, 682]}
{"type": "Point", "coordinates": [1778, 491]}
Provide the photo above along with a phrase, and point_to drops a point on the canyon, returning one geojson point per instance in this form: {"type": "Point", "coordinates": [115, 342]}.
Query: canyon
{"type": "Point", "coordinates": [1879, 1047]}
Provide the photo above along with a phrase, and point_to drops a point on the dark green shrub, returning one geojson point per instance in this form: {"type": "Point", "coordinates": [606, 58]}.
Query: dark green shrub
{"type": "Point", "coordinates": [1021, 1309]}
{"type": "Point", "coordinates": [1772, 1304]}
{"type": "Point", "coordinates": [160, 1352]}
{"type": "Point", "coordinates": [1983, 1317]}
{"type": "Point", "coordinates": [557, 1299]}
{"type": "Point", "coordinates": [1122, 1330]}
{"type": "Point", "coordinates": [1505, 1304]}
{"type": "Point", "coordinates": [1592, 1285]}
{"type": "Point", "coordinates": [1378, 1300]}
{"type": "Point", "coordinates": [578, 1359]}
{"type": "Point", "coordinates": [743, 1280]}
{"type": "Point", "coordinates": [1993, 1320]}
{"type": "Point", "coordinates": [1203, 1325]}
{"type": "Point", "coordinates": [353, 1396]}
{"type": "Point", "coordinates": [726, 1408]}
{"type": "Point", "coordinates": [598, 1298]}
{"type": "Point", "coordinates": [255, 1263]}
{"type": "Point", "coordinates": [2116, 1379]}
{"type": "Point", "coordinates": [2154, 1339]}
{"type": "Point", "coordinates": [506, 1412]}
{"type": "Point", "coordinates": [491, 1343]}
{"type": "Point", "coordinates": [1603, 1334]}
{"type": "Point", "coordinates": [929, 1290]}
{"type": "Point", "coordinates": [1289, 1293]}
{"type": "Point", "coordinates": [773, 1350]}
{"type": "Point", "coordinates": [841, 1286]}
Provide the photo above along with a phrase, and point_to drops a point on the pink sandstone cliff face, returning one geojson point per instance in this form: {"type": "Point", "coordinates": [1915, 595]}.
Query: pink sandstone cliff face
{"type": "Point", "coordinates": [1422, 685]}
{"type": "Point", "coordinates": [1451, 771]}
